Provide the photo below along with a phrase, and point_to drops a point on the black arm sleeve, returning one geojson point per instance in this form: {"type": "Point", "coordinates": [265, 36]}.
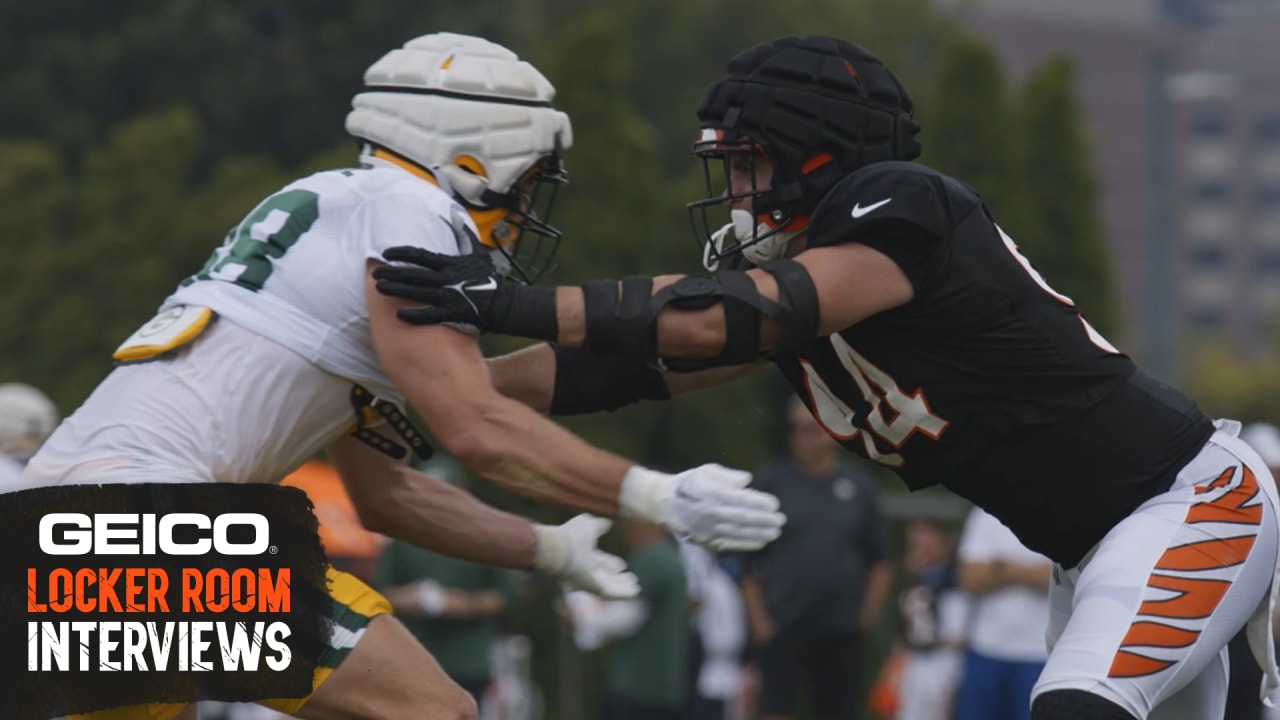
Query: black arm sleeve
{"type": "Point", "coordinates": [587, 383]}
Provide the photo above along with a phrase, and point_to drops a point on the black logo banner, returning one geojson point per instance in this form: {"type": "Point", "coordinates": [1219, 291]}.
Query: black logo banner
{"type": "Point", "coordinates": [114, 595]}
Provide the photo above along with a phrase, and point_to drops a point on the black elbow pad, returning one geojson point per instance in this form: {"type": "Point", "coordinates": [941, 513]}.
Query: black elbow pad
{"type": "Point", "coordinates": [587, 383]}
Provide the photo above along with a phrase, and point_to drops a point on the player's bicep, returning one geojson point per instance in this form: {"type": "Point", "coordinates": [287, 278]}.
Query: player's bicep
{"type": "Point", "coordinates": [853, 282]}
{"type": "Point", "coordinates": [440, 370]}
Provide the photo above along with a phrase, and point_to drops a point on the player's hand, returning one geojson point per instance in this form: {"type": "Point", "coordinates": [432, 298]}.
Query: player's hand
{"type": "Point", "coordinates": [710, 505]}
{"type": "Point", "coordinates": [464, 290]}
{"type": "Point", "coordinates": [568, 552]}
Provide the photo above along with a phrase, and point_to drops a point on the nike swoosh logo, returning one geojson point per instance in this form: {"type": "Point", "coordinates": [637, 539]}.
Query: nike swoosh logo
{"type": "Point", "coordinates": [858, 210]}
{"type": "Point", "coordinates": [492, 284]}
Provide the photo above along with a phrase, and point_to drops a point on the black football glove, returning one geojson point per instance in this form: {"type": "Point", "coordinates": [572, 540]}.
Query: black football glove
{"type": "Point", "coordinates": [465, 291]}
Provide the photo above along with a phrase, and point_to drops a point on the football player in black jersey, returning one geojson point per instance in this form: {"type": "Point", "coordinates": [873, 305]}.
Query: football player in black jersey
{"type": "Point", "coordinates": [921, 338]}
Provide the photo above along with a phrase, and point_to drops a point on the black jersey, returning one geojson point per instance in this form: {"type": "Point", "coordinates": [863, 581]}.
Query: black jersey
{"type": "Point", "coordinates": [989, 381]}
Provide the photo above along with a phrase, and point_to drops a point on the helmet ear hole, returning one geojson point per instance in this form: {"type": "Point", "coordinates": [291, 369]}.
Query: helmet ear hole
{"type": "Point", "coordinates": [471, 164]}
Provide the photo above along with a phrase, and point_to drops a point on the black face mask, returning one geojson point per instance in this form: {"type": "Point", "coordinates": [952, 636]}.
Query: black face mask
{"type": "Point", "coordinates": [525, 238]}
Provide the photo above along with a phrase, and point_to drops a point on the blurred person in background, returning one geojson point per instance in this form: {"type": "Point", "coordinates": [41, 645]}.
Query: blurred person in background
{"type": "Point", "coordinates": [814, 596]}
{"type": "Point", "coordinates": [1008, 587]}
{"type": "Point", "coordinates": [646, 676]}
{"type": "Point", "coordinates": [453, 607]}
{"type": "Point", "coordinates": [933, 614]}
{"type": "Point", "coordinates": [1243, 702]}
{"type": "Point", "coordinates": [718, 635]}
{"type": "Point", "coordinates": [27, 417]}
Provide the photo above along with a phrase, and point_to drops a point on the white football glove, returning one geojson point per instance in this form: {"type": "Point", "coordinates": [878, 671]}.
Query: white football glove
{"type": "Point", "coordinates": [568, 553]}
{"type": "Point", "coordinates": [710, 505]}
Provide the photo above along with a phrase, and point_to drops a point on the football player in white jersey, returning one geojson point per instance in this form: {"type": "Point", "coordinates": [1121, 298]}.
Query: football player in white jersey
{"type": "Point", "coordinates": [280, 347]}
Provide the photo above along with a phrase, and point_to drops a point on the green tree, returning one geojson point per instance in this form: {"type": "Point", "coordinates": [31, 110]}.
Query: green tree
{"type": "Point", "coordinates": [968, 124]}
{"type": "Point", "coordinates": [93, 256]}
{"type": "Point", "coordinates": [1226, 385]}
{"type": "Point", "coordinates": [1064, 233]}
{"type": "Point", "coordinates": [35, 197]}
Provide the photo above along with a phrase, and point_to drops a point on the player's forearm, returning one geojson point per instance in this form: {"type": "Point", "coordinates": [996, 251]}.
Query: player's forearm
{"type": "Point", "coordinates": [439, 517]}
{"type": "Point", "coordinates": [522, 452]}
{"type": "Point", "coordinates": [463, 605]}
{"type": "Point", "coordinates": [485, 603]}
{"type": "Point", "coordinates": [979, 578]}
{"type": "Point", "coordinates": [527, 376]}
{"type": "Point", "coordinates": [1031, 575]}
{"type": "Point", "coordinates": [571, 316]}
{"type": "Point", "coordinates": [679, 333]}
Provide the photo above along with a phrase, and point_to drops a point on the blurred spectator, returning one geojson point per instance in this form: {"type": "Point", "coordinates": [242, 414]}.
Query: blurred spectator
{"type": "Point", "coordinates": [719, 634]}
{"type": "Point", "coordinates": [27, 416]}
{"type": "Point", "coordinates": [1008, 588]}
{"type": "Point", "coordinates": [646, 677]}
{"type": "Point", "coordinates": [347, 544]}
{"type": "Point", "coordinates": [452, 606]}
{"type": "Point", "coordinates": [933, 613]}
{"type": "Point", "coordinates": [1243, 702]}
{"type": "Point", "coordinates": [813, 594]}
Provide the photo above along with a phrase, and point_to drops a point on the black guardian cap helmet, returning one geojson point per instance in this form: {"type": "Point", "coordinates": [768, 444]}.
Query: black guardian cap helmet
{"type": "Point", "coordinates": [818, 108]}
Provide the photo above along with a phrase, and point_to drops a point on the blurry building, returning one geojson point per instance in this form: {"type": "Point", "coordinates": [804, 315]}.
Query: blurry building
{"type": "Point", "coordinates": [1182, 102]}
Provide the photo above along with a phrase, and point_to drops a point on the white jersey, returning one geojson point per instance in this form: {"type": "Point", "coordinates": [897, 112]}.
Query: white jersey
{"type": "Point", "coordinates": [1009, 623]}
{"type": "Point", "coordinates": [10, 475]}
{"type": "Point", "coordinates": [268, 383]}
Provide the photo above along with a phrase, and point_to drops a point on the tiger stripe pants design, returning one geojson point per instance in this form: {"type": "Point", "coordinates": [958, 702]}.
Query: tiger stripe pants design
{"type": "Point", "coordinates": [1145, 620]}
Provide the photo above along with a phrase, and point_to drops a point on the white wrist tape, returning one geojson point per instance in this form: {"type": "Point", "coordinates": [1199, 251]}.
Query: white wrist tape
{"type": "Point", "coordinates": [646, 495]}
{"type": "Point", "coordinates": [551, 553]}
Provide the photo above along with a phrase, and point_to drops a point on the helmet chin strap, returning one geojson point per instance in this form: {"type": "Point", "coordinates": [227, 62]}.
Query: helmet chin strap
{"type": "Point", "coordinates": [773, 242]}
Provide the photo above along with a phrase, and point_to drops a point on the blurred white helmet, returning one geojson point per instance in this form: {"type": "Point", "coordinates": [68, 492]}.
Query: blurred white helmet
{"type": "Point", "coordinates": [1264, 438]}
{"type": "Point", "coordinates": [27, 417]}
{"type": "Point", "coordinates": [480, 120]}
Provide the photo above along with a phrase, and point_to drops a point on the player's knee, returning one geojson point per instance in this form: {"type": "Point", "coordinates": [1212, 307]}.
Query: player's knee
{"type": "Point", "coordinates": [1076, 705]}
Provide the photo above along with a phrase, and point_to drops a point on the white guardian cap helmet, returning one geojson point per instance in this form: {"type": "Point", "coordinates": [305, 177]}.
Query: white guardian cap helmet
{"type": "Point", "coordinates": [479, 120]}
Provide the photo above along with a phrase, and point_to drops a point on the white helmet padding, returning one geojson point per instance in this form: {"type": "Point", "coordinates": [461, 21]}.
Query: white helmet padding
{"type": "Point", "coordinates": [446, 96]}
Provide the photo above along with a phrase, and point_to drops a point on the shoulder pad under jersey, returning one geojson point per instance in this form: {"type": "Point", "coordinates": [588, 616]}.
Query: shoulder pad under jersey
{"type": "Point", "coordinates": [890, 191]}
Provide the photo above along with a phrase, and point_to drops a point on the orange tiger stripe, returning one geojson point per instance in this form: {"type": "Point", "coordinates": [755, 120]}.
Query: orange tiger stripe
{"type": "Point", "coordinates": [1154, 634]}
{"type": "Point", "coordinates": [1128, 664]}
{"type": "Point", "coordinates": [1207, 554]}
{"type": "Point", "coordinates": [1195, 599]}
{"type": "Point", "coordinates": [1230, 508]}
